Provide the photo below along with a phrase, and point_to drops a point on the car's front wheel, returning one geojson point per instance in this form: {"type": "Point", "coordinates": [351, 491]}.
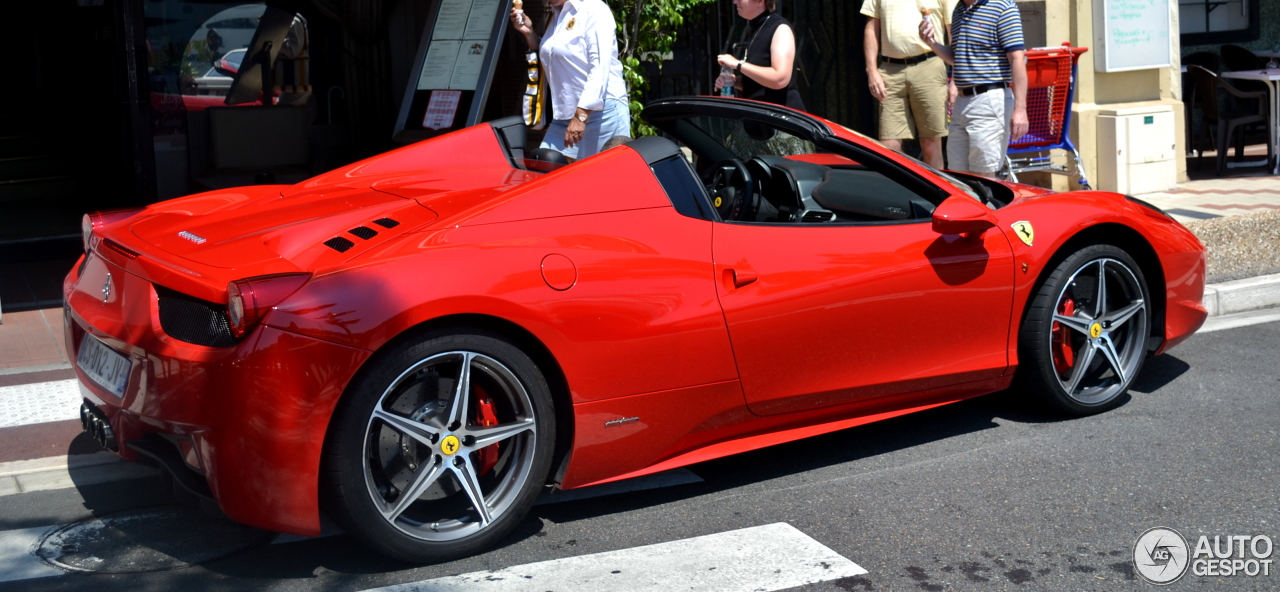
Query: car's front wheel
{"type": "Point", "coordinates": [441, 448]}
{"type": "Point", "coordinates": [1085, 333]}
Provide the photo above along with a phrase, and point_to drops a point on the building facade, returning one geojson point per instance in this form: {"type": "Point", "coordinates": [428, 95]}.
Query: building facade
{"type": "Point", "coordinates": [126, 102]}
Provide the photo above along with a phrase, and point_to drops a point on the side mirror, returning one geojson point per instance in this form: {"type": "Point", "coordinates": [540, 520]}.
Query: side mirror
{"type": "Point", "coordinates": [226, 68]}
{"type": "Point", "coordinates": [962, 215]}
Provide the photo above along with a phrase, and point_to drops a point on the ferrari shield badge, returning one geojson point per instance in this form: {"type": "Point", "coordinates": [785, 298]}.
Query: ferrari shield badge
{"type": "Point", "coordinates": [1024, 231]}
{"type": "Point", "coordinates": [1095, 330]}
{"type": "Point", "coordinates": [449, 445]}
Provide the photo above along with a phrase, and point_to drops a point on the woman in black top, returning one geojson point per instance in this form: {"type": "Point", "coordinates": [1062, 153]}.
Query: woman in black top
{"type": "Point", "coordinates": [765, 74]}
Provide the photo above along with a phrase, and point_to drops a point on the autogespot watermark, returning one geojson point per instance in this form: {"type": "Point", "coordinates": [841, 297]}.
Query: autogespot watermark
{"type": "Point", "coordinates": [1162, 556]}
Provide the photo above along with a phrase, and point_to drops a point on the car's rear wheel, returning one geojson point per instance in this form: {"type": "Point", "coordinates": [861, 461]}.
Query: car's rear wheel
{"type": "Point", "coordinates": [441, 448]}
{"type": "Point", "coordinates": [1085, 334]}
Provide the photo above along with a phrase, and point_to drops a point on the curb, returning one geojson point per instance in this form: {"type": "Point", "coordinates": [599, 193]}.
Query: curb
{"type": "Point", "coordinates": [1244, 295]}
{"type": "Point", "coordinates": [64, 472]}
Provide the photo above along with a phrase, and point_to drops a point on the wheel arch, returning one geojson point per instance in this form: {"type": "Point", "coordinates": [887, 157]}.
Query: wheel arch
{"type": "Point", "coordinates": [522, 338]}
{"type": "Point", "coordinates": [1133, 243]}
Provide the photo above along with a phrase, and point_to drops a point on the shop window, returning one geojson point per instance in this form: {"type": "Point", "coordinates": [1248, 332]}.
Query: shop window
{"type": "Point", "coordinates": [1211, 22]}
{"type": "Point", "coordinates": [229, 86]}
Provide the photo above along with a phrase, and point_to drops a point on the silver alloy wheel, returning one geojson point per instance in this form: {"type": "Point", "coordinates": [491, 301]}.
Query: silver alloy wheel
{"type": "Point", "coordinates": [1105, 336]}
{"type": "Point", "coordinates": [423, 464]}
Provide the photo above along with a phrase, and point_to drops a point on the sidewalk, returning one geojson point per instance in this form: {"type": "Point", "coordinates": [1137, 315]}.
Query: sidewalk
{"type": "Point", "coordinates": [1237, 219]}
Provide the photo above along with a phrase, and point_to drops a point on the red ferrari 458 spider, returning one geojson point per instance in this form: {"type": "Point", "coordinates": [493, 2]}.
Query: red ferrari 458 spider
{"type": "Point", "coordinates": [419, 343]}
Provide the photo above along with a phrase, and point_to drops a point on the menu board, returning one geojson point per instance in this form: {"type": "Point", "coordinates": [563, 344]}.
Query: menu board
{"type": "Point", "coordinates": [454, 67]}
{"type": "Point", "coordinates": [1132, 34]}
{"type": "Point", "coordinates": [459, 44]}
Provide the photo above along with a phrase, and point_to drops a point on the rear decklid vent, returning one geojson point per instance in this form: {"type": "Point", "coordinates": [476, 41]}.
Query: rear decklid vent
{"type": "Point", "coordinates": [386, 222]}
{"type": "Point", "coordinates": [364, 232]}
{"type": "Point", "coordinates": [339, 244]}
{"type": "Point", "coordinates": [187, 318]}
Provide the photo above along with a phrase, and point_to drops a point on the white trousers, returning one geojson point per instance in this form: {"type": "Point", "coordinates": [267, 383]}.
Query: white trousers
{"type": "Point", "coordinates": [978, 138]}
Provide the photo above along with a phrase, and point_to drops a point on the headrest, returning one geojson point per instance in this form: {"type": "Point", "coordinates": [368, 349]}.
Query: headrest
{"type": "Point", "coordinates": [548, 155]}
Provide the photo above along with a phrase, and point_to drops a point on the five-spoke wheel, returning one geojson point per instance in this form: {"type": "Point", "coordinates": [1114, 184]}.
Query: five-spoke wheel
{"type": "Point", "coordinates": [1085, 334]}
{"type": "Point", "coordinates": [442, 448]}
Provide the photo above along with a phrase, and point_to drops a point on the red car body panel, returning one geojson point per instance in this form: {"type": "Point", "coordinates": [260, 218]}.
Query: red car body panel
{"type": "Point", "coordinates": [718, 338]}
{"type": "Point", "coordinates": [829, 300]}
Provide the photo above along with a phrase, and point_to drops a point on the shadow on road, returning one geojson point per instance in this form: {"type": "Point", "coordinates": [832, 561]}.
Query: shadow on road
{"type": "Point", "coordinates": [349, 564]}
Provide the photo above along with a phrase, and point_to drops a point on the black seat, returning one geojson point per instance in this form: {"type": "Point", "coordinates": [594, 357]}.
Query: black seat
{"type": "Point", "coordinates": [548, 155]}
{"type": "Point", "coordinates": [1227, 120]}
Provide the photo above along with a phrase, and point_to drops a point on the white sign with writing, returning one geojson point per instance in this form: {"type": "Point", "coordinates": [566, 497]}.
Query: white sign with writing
{"type": "Point", "coordinates": [1132, 34]}
{"type": "Point", "coordinates": [441, 109]}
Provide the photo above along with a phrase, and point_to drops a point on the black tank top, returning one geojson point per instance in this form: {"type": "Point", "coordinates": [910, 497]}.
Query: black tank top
{"type": "Point", "coordinates": [760, 41]}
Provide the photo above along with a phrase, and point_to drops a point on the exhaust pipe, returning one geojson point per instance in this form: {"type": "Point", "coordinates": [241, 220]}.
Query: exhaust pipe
{"type": "Point", "coordinates": [95, 423]}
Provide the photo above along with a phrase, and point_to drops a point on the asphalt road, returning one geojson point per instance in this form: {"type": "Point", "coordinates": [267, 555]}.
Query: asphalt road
{"type": "Point", "coordinates": [988, 494]}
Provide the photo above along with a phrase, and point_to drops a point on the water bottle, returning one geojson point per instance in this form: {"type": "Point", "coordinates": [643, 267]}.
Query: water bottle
{"type": "Point", "coordinates": [726, 81]}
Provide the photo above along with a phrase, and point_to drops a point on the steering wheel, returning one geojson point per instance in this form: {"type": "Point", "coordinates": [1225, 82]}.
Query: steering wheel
{"type": "Point", "coordinates": [732, 189]}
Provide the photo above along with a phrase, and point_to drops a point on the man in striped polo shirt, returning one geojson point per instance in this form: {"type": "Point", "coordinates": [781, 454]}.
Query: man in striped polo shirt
{"type": "Point", "coordinates": [987, 55]}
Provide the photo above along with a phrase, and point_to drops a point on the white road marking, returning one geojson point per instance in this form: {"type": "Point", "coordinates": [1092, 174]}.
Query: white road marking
{"type": "Point", "coordinates": [39, 402]}
{"type": "Point", "coordinates": [17, 555]}
{"type": "Point", "coordinates": [763, 558]}
{"type": "Point", "coordinates": [1240, 319]}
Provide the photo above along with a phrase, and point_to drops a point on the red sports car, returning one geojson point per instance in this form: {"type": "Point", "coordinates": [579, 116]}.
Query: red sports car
{"type": "Point", "coordinates": [418, 343]}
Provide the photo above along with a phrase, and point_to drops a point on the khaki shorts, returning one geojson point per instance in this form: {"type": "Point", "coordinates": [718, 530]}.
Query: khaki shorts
{"type": "Point", "coordinates": [915, 104]}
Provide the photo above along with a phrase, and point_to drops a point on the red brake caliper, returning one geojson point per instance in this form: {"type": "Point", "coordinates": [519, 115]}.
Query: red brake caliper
{"type": "Point", "coordinates": [1063, 356]}
{"type": "Point", "coordinates": [486, 417]}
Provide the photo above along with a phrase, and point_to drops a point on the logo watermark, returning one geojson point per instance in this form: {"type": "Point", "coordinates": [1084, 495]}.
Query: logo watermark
{"type": "Point", "coordinates": [1233, 555]}
{"type": "Point", "coordinates": [1162, 556]}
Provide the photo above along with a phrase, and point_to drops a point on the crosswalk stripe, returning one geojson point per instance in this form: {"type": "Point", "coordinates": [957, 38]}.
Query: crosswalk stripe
{"type": "Point", "coordinates": [17, 556]}
{"type": "Point", "coordinates": [762, 558]}
{"type": "Point", "coordinates": [39, 402]}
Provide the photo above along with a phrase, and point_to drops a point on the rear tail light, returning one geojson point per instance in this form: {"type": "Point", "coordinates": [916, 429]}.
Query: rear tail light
{"type": "Point", "coordinates": [250, 299]}
{"type": "Point", "coordinates": [94, 221]}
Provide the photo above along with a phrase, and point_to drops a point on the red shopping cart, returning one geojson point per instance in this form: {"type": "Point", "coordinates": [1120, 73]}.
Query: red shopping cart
{"type": "Point", "coordinates": [1051, 75]}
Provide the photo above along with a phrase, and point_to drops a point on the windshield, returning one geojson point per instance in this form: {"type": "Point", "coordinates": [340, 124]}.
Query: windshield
{"type": "Point", "coordinates": [961, 185]}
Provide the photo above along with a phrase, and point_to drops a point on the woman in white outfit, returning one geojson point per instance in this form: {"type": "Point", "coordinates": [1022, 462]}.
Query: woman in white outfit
{"type": "Point", "coordinates": [579, 54]}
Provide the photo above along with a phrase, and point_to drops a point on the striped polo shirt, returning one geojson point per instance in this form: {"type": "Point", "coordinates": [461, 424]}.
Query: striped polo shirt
{"type": "Point", "coordinates": [981, 36]}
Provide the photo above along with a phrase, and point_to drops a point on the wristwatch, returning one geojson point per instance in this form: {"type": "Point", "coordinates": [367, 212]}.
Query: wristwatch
{"type": "Point", "coordinates": [739, 68]}
{"type": "Point", "coordinates": [581, 117]}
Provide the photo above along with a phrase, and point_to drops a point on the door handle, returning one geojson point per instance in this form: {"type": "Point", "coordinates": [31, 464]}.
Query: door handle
{"type": "Point", "coordinates": [739, 277]}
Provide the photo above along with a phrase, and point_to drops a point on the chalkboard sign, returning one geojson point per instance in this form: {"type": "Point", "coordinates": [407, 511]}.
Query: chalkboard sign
{"type": "Point", "coordinates": [1131, 34]}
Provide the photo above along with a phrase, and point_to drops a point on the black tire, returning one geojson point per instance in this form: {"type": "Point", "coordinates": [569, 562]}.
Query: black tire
{"type": "Point", "coordinates": [399, 431]}
{"type": "Point", "coordinates": [1077, 359]}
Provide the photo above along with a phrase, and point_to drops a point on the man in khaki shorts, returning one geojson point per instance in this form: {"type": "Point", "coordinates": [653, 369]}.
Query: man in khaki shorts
{"type": "Point", "coordinates": [910, 81]}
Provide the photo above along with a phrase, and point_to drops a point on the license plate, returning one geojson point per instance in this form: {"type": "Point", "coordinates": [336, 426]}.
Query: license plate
{"type": "Point", "coordinates": [103, 365]}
